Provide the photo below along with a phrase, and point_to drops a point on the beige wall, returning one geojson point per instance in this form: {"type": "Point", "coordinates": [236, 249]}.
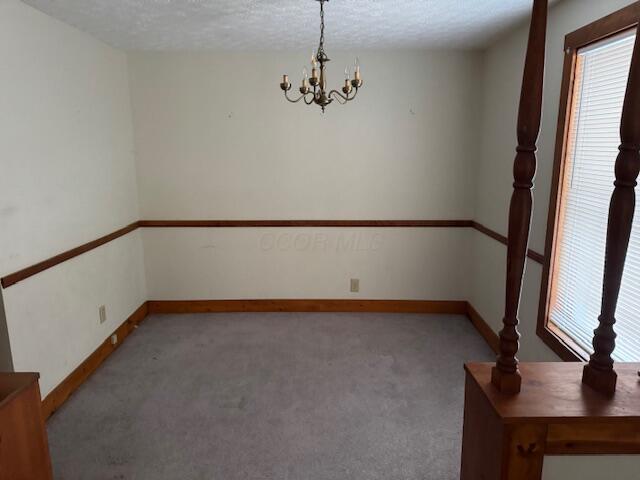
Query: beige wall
{"type": "Point", "coordinates": [68, 177]}
{"type": "Point", "coordinates": [215, 139]}
{"type": "Point", "coordinates": [503, 64]}
{"type": "Point", "coordinates": [391, 263]}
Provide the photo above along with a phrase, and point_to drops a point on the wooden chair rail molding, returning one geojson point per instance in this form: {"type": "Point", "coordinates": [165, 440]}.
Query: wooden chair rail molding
{"type": "Point", "coordinates": [39, 267]}
{"type": "Point", "coordinates": [32, 270]}
{"type": "Point", "coordinates": [305, 223]}
{"type": "Point", "coordinates": [533, 255]}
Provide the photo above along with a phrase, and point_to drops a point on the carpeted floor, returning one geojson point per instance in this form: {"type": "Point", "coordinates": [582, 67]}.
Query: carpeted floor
{"type": "Point", "coordinates": [282, 396]}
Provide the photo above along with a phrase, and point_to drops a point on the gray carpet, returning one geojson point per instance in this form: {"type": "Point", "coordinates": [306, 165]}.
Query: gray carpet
{"type": "Point", "coordinates": [283, 396]}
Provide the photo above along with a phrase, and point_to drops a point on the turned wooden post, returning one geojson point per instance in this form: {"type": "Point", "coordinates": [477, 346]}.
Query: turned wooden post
{"type": "Point", "coordinates": [599, 373]}
{"type": "Point", "coordinates": [505, 375]}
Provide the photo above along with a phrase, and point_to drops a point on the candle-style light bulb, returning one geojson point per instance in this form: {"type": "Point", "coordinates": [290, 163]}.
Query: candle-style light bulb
{"type": "Point", "coordinates": [304, 87]}
{"type": "Point", "coordinates": [356, 74]}
{"type": "Point", "coordinates": [314, 70]}
{"type": "Point", "coordinates": [347, 83]}
{"type": "Point", "coordinates": [285, 85]}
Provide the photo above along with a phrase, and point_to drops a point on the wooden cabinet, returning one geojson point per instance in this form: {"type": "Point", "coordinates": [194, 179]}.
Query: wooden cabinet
{"type": "Point", "coordinates": [24, 451]}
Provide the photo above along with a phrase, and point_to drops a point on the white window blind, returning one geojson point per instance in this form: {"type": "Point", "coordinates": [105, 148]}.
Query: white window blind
{"type": "Point", "coordinates": [602, 71]}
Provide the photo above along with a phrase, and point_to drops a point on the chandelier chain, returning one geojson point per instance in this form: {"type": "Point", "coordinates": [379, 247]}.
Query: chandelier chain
{"type": "Point", "coordinates": [321, 46]}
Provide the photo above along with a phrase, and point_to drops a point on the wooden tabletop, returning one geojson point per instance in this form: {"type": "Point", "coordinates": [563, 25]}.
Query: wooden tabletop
{"type": "Point", "coordinates": [553, 392]}
{"type": "Point", "coordinates": [11, 384]}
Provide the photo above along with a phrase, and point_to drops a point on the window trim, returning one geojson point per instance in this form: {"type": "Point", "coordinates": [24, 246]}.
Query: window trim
{"type": "Point", "coordinates": [619, 21]}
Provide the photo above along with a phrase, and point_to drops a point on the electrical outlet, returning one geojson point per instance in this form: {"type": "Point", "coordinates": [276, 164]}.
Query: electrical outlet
{"type": "Point", "coordinates": [355, 285]}
{"type": "Point", "coordinates": [102, 311]}
{"type": "Point", "coordinates": [114, 339]}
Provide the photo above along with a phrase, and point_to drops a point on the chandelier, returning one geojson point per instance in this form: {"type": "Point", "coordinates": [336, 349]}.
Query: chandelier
{"type": "Point", "coordinates": [314, 89]}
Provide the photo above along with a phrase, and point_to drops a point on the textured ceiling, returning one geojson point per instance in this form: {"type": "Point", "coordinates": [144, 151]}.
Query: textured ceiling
{"type": "Point", "coordinates": [288, 24]}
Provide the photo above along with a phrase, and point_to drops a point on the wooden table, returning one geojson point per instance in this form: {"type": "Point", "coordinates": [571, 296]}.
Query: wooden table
{"type": "Point", "coordinates": [24, 451]}
{"type": "Point", "coordinates": [507, 436]}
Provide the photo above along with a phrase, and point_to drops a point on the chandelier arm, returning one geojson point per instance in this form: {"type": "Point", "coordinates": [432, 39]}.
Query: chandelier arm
{"type": "Point", "coordinates": [338, 97]}
{"type": "Point", "coordinates": [311, 100]}
{"type": "Point", "coordinates": [297, 99]}
{"type": "Point", "coordinates": [345, 98]}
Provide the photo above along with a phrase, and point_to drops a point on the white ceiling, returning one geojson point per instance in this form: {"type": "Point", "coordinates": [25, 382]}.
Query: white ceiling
{"type": "Point", "coordinates": [288, 24]}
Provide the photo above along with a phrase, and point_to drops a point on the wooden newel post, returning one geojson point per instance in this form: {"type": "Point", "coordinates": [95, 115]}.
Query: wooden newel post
{"type": "Point", "coordinates": [505, 375]}
{"type": "Point", "coordinates": [599, 373]}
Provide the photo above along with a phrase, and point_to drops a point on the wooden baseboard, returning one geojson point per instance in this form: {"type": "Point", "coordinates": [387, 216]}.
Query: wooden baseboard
{"type": "Point", "coordinates": [64, 390]}
{"type": "Point", "coordinates": [483, 328]}
{"type": "Point", "coordinates": [453, 307]}
{"type": "Point", "coordinates": [308, 305]}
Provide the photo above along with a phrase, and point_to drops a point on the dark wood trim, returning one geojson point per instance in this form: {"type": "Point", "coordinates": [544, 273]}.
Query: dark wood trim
{"type": "Point", "coordinates": [65, 389]}
{"type": "Point", "coordinates": [537, 257]}
{"type": "Point", "coordinates": [610, 25]}
{"type": "Point", "coordinates": [490, 233]}
{"type": "Point", "coordinates": [32, 270]}
{"type": "Point", "coordinates": [617, 22]}
{"type": "Point", "coordinates": [307, 305]}
{"type": "Point", "coordinates": [27, 272]}
{"type": "Point", "coordinates": [562, 345]}
{"type": "Point", "coordinates": [304, 223]}
{"type": "Point", "coordinates": [533, 255]}
{"type": "Point", "coordinates": [613, 438]}
{"type": "Point", "coordinates": [483, 328]}
{"type": "Point", "coordinates": [548, 336]}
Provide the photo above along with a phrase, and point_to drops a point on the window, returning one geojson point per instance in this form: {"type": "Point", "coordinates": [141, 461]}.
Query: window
{"type": "Point", "coordinates": [596, 73]}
